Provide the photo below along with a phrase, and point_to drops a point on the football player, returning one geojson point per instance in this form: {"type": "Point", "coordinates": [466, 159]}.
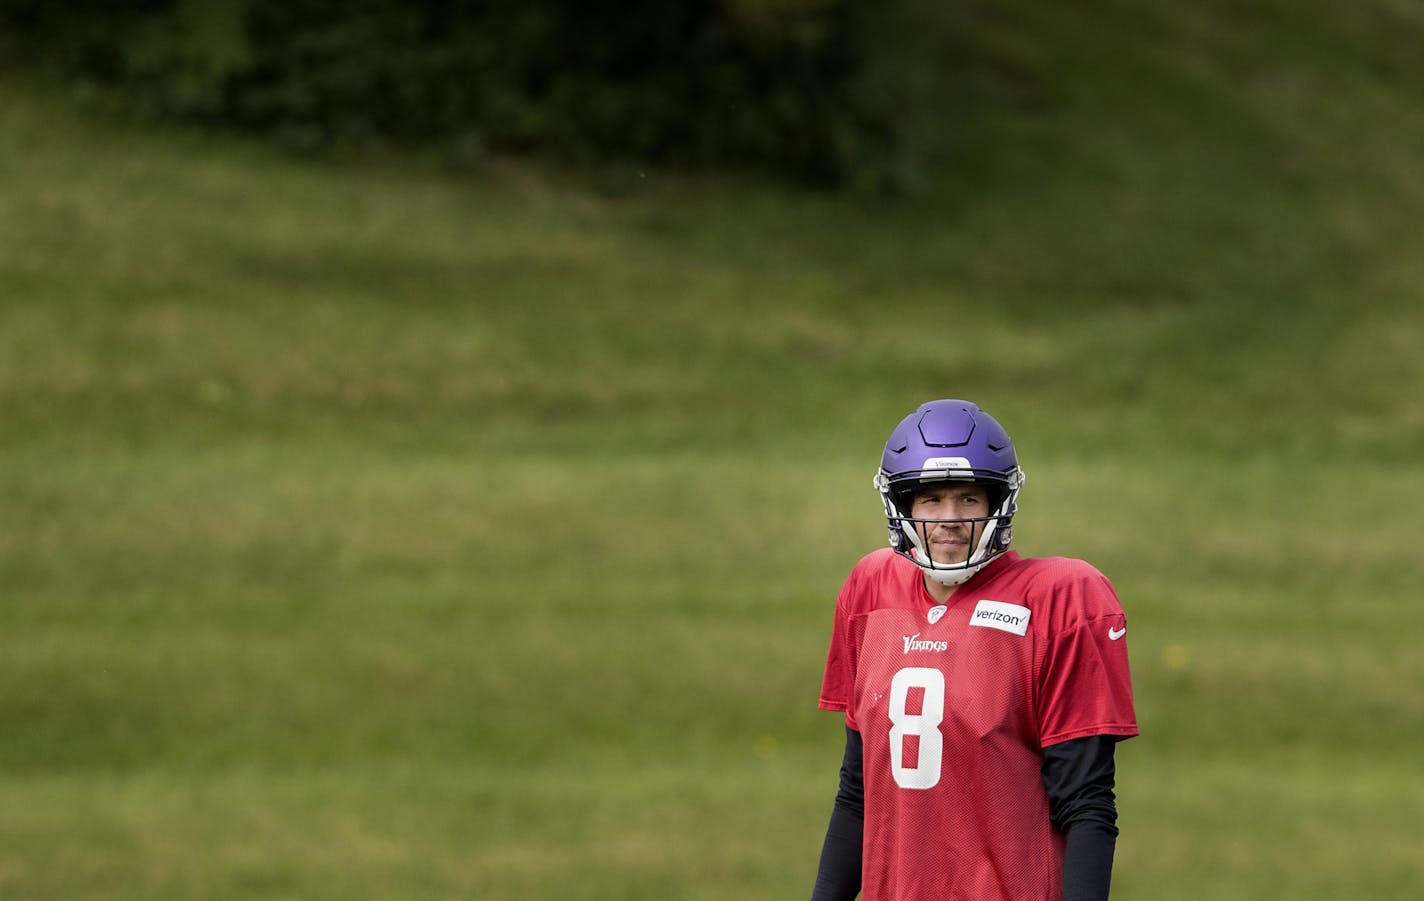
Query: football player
{"type": "Point", "coordinates": [983, 691]}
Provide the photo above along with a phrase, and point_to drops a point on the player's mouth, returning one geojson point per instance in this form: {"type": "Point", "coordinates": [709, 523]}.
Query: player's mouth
{"type": "Point", "coordinates": [949, 546]}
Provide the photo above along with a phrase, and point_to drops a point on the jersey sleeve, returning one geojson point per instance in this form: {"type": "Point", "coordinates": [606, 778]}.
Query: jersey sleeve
{"type": "Point", "coordinates": [1085, 685]}
{"type": "Point", "coordinates": [838, 683]}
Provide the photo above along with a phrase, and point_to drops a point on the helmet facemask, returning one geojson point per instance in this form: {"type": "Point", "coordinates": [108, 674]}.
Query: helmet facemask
{"type": "Point", "coordinates": [907, 533]}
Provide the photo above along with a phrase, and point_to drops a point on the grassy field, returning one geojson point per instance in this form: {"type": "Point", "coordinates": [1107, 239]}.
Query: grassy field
{"type": "Point", "coordinates": [368, 531]}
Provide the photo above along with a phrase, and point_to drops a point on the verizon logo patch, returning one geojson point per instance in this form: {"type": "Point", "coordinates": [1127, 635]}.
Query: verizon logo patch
{"type": "Point", "coordinates": [1000, 615]}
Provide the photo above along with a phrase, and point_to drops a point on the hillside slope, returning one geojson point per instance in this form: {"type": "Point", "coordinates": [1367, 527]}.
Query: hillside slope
{"type": "Point", "coordinates": [368, 531]}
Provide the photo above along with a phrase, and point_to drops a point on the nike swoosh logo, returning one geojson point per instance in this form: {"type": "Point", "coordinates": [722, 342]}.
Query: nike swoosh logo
{"type": "Point", "coordinates": [1115, 634]}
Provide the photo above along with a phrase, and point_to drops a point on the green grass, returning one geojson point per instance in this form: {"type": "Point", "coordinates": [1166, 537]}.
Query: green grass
{"type": "Point", "coordinates": [372, 532]}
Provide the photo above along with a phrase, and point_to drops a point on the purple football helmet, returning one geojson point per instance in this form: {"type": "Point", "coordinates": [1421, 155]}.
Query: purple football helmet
{"type": "Point", "coordinates": [949, 440]}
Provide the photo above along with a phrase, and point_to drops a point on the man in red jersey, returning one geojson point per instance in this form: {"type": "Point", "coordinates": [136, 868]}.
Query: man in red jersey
{"type": "Point", "coordinates": [983, 692]}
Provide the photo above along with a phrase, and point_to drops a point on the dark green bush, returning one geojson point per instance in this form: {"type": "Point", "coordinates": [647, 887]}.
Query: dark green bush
{"type": "Point", "coordinates": [788, 86]}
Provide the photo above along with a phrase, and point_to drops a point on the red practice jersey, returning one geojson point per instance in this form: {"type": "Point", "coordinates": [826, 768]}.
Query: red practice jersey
{"type": "Point", "coordinates": [955, 703]}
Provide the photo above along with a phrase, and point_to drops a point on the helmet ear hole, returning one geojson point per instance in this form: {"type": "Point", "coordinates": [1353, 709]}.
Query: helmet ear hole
{"type": "Point", "coordinates": [899, 541]}
{"type": "Point", "coordinates": [1003, 537]}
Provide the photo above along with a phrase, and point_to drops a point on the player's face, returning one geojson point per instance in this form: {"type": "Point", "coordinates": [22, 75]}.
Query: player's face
{"type": "Point", "coordinates": [950, 542]}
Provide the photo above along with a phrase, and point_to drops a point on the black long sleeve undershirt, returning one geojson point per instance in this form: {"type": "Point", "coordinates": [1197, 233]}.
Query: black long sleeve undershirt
{"type": "Point", "coordinates": [838, 876]}
{"type": "Point", "coordinates": [1078, 776]}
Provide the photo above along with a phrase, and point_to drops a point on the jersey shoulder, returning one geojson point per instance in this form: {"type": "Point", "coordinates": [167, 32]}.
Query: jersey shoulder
{"type": "Point", "coordinates": [1074, 589]}
{"type": "Point", "coordinates": [880, 577]}
{"type": "Point", "coordinates": [1058, 569]}
{"type": "Point", "coordinates": [878, 561]}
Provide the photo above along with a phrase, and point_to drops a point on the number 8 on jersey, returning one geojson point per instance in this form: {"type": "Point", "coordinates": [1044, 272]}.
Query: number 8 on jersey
{"type": "Point", "coordinates": [924, 771]}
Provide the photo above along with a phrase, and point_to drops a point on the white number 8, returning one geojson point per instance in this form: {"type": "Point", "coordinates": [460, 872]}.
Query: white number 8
{"type": "Point", "coordinates": [924, 772]}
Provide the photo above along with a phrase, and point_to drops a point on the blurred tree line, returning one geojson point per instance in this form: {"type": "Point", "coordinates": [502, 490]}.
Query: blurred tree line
{"type": "Point", "coordinates": [804, 89]}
